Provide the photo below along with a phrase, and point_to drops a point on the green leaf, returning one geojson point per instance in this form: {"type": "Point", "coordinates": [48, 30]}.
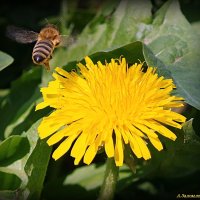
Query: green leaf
{"type": "Point", "coordinates": [174, 42]}
{"type": "Point", "coordinates": [152, 60]}
{"type": "Point", "coordinates": [19, 102]}
{"type": "Point", "coordinates": [5, 60]}
{"type": "Point", "coordinates": [9, 182]}
{"type": "Point", "coordinates": [37, 163]}
{"type": "Point", "coordinates": [125, 51]}
{"type": "Point", "coordinates": [29, 119]}
{"type": "Point", "coordinates": [196, 27]}
{"type": "Point", "coordinates": [32, 167]}
{"type": "Point", "coordinates": [84, 183]}
{"type": "Point", "coordinates": [13, 148]}
{"type": "Point", "coordinates": [90, 180]}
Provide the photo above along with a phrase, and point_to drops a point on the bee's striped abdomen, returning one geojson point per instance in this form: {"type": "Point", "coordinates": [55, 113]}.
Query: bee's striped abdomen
{"type": "Point", "coordinates": [42, 50]}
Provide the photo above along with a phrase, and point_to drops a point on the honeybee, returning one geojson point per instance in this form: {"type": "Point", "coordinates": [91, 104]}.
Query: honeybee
{"type": "Point", "coordinates": [46, 41]}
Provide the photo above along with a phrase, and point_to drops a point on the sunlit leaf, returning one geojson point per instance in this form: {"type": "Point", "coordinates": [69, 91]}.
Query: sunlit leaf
{"type": "Point", "coordinates": [174, 43]}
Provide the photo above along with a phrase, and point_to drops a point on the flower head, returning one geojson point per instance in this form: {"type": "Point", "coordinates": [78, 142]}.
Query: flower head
{"type": "Point", "coordinates": [108, 105]}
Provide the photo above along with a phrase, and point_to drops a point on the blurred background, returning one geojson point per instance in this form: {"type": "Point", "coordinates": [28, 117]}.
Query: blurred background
{"type": "Point", "coordinates": [33, 15]}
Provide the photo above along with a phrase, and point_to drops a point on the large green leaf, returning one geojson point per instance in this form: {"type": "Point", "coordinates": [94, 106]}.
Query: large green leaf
{"type": "Point", "coordinates": [5, 60]}
{"type": "Point", "coordinates": [125, 51]}
{"type": "Point", "coordinates": [174, 43]}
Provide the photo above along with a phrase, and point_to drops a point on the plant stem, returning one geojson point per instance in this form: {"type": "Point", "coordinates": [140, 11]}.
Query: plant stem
{"type": "Point", "coordinates": [110, 180]}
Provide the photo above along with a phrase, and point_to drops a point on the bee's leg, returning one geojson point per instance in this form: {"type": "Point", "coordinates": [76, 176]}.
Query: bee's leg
{"type": "Point", "coordinates": [50, 57]}
{"type": "Point", "coordinates": [46, 64]}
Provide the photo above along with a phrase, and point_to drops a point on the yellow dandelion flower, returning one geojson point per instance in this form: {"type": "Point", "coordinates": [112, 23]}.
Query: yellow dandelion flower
{"type": "Point", "coordinates": [108, 105]}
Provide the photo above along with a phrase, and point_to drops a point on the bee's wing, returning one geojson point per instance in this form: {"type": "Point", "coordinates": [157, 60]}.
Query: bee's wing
{"type": "Point", "coordinates": [66, 40]}
{"type": "Point", "coordinates": [21, 35]}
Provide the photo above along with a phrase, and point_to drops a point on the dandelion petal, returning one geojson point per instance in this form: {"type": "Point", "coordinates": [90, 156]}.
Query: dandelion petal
{"type": "Point", "coordinates": [63, 147]}
{"type": "Point", "coordinates": [109, 147]}
{"type": "Point", "coordinates": [90, 154]}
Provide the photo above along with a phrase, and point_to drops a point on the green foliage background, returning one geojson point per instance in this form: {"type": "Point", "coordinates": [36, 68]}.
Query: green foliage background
{"type": "Point", "coordinates": [151, 31]}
